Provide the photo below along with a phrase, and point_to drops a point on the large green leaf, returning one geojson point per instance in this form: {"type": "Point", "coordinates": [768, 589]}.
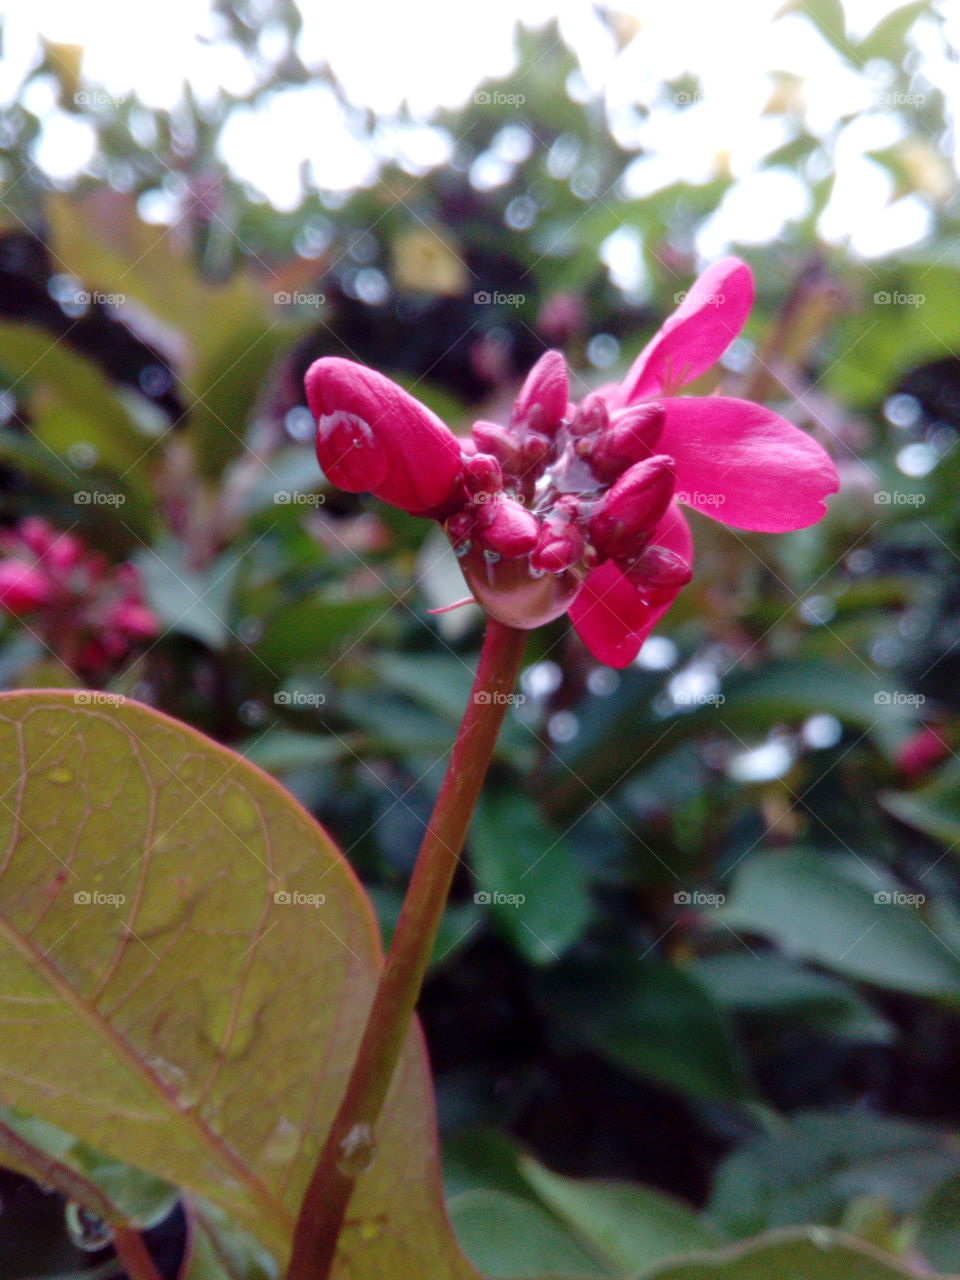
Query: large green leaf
{"type": "Point", "coordinates": [631, 1225]}
{"type": "Point", "coordinates": [650, 1018]}
{"type": "Point", "coordinates": [177, 995]}
{"type": "Point", "coordinates": [847, 917]}
{"type": "Point", "coordinates": [509, 1238]}
{"type": "Point", "coordinates": [812, 1167]}
{"type": "Point", "coordinates": [812, 1254]}
{"type": "Point", "coordinates": [534, 888]}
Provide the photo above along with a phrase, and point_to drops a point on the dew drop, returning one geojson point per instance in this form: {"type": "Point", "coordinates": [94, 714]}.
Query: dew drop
{"type": "Point", "coordinates": [357, 1151]}
{"type": "Point", "coordinates": [463, 549]}
{"type": "Point", "coordinates": [60, 775]}
{"type": "Point", "coordinates": [491, 557]}
{"type": "Point", "coordinates": [85, 1229]}
{"type": "Point", "coordinates": [283, 1144]}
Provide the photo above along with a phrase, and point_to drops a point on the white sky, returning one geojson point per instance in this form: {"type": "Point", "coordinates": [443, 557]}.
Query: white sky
{"type": "Point", "coordinates": [435, 52]}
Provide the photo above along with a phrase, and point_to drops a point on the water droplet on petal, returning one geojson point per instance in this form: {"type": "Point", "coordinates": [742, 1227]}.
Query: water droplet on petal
{"type": "Point", "coordinates": [463, 549]}
{"type": "Point", "coordinates": [283, 1144]}
{"type": "Point", "coordinates": [357, 1151]}
{"type": "Point", "coordinates": [85, 1229]}
{"type": "Point", "coordinates": [491, 557]}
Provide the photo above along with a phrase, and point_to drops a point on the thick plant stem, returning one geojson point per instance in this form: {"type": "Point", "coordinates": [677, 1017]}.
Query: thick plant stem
{"type": "Point", "coordinates": [132, 1252]}
{"type": "Point", "coordinates": [325, 1203]}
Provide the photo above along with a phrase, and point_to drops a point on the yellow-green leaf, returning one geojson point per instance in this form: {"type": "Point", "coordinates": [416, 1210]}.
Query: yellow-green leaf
{"type": "Point", "coordinates": [187, 964]}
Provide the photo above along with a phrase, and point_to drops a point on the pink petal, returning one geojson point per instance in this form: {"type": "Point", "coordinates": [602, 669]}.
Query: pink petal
{"type": "Point", "coordinates": [612, 617]}
{"type": "Point", "coordinates": [374, 437]}
{"type": "Point", "coordinates": [745, 465]}
{"type": "Point", "coordinates": [694, 338]}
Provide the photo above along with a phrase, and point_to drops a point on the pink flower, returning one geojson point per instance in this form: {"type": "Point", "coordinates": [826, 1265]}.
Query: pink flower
{"type": "Point", "coordinates": [577, 508]}
{"type": "Point", "coordinates": [77, 602]}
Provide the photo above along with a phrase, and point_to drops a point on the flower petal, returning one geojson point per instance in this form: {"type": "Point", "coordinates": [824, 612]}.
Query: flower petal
{"type": "Point", "coordinates": [398, 449]}
{"type": "Point", "coordinates": [613, 617]}
{"type": "Point", "coordinates": [745, 465]}
{"type": "Point", "coordinates": [696, 335]}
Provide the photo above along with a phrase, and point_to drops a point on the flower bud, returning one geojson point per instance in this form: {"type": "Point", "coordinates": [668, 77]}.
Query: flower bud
{"type": "Point", "coordinates": [543, 398]}
{"type": "Point", "coordinates": [508, 527]}
{"type": "Point", "coordinates": [631, 437]}
{"type": "Point", "coordinates": [559, 546]}
{"type": "Point", "coordinates": [493, 439]}
{"type": "Point", "coordinates": [633, 507]}
{"type": "Point", "coordinates": [23, 587]}
{"type": "Point", "coordinates": [657, 567]}
{"type": "Point", "coordinates": [482, 474]}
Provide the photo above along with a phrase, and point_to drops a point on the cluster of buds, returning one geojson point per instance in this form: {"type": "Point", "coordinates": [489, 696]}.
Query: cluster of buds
{"type": "Point", "coordinates": [557, 492]}
{"type": "Point", "coordinates": [86, 611]}
{"type": "Point", "coordinates": [576, 508]}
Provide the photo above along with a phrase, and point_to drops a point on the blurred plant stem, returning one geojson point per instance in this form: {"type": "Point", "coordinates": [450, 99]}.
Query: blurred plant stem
{"type": "Point", "coordinates": [132, 1252]}
{"type": "Point", "coordinates": [350, 1142]}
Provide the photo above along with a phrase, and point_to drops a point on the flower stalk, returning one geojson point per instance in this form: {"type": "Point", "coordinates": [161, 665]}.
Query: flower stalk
{"type": "Point", "coordinates": [324, 1206]}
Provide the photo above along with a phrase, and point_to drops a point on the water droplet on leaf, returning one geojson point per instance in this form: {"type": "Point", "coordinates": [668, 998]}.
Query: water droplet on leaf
{"type": "Point", "coordinates": [357, 1151]}
{"type": "Point", "coordinates": [283, 1143]}
{"type": "Point", "coordinates": [85, 1229]}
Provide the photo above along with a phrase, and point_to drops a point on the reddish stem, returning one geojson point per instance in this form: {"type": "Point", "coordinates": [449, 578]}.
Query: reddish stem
{"type": "Point", "coordinates": [325, 1203]}
{"type": "Point", "coordinates": [132, 1252]}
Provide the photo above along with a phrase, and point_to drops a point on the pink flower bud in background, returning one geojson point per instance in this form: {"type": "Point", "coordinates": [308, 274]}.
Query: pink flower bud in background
{"type": "Point", "coordinates": [23, 588]}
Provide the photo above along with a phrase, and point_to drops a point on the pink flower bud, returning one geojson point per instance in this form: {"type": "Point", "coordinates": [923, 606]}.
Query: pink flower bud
{"type": "Point", "coordinates": [23, 587]}
{"type": "Point", "coordinates": [134, 620]}
{"type": "Point", "coordinates": [593, 416]}
{"type": "Point", "coordinates": [508, 528]}
{"type": "Point", "coordinates": [482, 474]}
{"type": "Point", "coordinates": [543, 398]}
{"type": "Point", "coordinates": [633, 507]}
{"type": "Point", "coordinates": [493, 439]}
{"type": "Point", "coordinates": [559, 546]}
{"type": "Point", "coordinates": [36, 534]}
{"type": "Point", "coordinates": [631, 437]}
{"type": "Point", "coordinates": [658, 567]}
{"type": "Point", "coordinates": [374, 437]}
{"type": "Point", "coordinates": [64, 553]}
